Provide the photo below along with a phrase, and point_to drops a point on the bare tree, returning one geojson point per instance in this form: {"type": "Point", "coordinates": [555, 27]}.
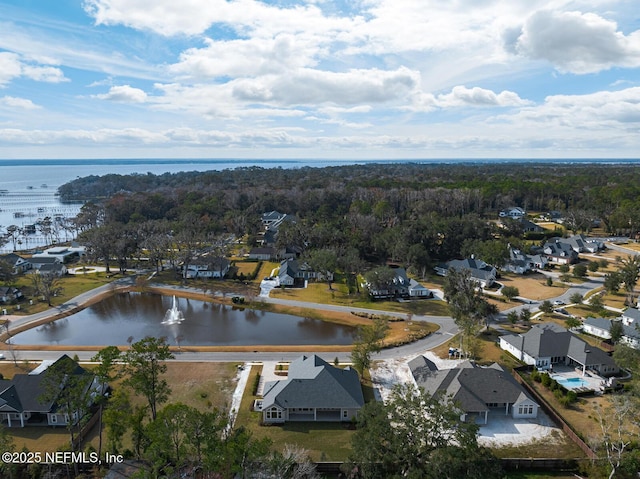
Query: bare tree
{"type": "Point", "coordinates": [618, 425]}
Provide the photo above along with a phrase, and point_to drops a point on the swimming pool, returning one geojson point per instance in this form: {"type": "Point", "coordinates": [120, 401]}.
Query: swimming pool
{"type": "Point", "coordinates": [572, 383]}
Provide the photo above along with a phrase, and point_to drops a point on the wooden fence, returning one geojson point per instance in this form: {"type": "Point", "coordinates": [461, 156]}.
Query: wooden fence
{"type": "Point", "coordinates": [551, 412]}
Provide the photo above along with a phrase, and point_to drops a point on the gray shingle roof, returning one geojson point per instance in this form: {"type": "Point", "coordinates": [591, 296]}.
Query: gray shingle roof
{"type": "Point", "coordinates": [471, 387]}
{"type": "Point", "coordinates": [314, 383]}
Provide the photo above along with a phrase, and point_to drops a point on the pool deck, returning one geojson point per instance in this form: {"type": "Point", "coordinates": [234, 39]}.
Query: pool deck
{"type": "Point", "coordinates": [592, 380]}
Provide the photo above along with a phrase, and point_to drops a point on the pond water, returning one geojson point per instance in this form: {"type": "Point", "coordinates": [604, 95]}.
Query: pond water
{"type": "Point", "coordinates": [126, 317]}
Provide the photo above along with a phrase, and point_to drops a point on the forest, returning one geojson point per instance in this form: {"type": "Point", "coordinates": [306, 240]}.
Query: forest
{"type": "Point", "coordinates": [411, 214]}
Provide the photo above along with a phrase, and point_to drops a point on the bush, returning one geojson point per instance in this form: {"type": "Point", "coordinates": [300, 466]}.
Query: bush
{"type": "Point", "coordinates": [256, 383]}
{"type": "Point", "coordinates": [549, 281]}
{"type": "Point", "coordinates": [546, 379]}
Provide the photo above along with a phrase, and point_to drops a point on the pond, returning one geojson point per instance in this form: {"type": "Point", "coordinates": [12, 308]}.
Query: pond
{"type": "Point", "coordinates": [126, 317]}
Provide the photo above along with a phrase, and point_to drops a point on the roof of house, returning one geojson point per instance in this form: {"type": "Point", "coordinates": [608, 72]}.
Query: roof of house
{"type": "Point", "coordinates": [11, 258]}
{"type": "Point", "coordinates": [559, 247]}
{"type": "Point", "coordinates": [260, 251]}
{"type": "Point", "coordinates": [44, 260]}
{"type": "Point", "coordinates": [605, 324]}
{"type": "Point", "coordinates": [632, 313]}
{"type": "Point", "coordinates": [478, 269]}
{"type": "Point", "coordinates": [414, 285]}
{"type": "Point", "coordinates": [469, 386]}
{"type": "Point", "coordinates": [551, 340]}
{"type": "Point", "coordinates": [314, 383]}
{"type": "Point", "coordinates": [52, 268]}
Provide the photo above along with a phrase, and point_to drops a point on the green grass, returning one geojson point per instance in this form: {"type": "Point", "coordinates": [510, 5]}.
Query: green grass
{"type": "Point", "coordinates": [339, 294]}
{"type": "Point", "coordinates": [323, 441]}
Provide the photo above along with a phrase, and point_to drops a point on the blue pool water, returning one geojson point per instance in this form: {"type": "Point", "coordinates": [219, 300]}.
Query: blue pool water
{"type": "Point", "coordinates": [572, 383]}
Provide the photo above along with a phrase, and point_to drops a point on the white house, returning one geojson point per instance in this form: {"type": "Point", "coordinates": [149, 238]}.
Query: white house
{"type": "Point", "coordinates": [480, 272]}
{"type": "Point", "coordinates": [547, 344]}
{"type": "Point", "coordinates": [514, 212]}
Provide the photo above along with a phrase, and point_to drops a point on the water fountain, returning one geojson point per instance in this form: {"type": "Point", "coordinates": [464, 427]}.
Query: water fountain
{"type": "Point", "coordinates": [173, 315]}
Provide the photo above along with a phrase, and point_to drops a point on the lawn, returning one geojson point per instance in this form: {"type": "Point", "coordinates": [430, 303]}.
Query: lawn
{"type": "Point", "coordinates": [201, 385]}
{"type": "Point", "coordinates": [72, 286]}
{"type": "Point", "coordinates": [533, 286]}
{"type": "Point", "coordinates": [320, 293]}
{"type": "Point", "coordinates": [323, 441]}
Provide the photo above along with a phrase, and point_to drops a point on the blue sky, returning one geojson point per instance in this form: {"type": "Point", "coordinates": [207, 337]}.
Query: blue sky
{"type": "Point", "coordinates": [319, 79]}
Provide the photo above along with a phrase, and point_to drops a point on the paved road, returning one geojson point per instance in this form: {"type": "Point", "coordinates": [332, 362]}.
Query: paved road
{"type": "Point", "coordinates": [446, 324]}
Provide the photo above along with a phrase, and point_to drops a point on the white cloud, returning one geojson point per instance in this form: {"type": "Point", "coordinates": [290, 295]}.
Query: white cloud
{"type": "Point", "coordinates": [307, 86]}
{"type": "Point", "coordinates": [577, 42]}
{"type": "Point", "coordinates": [13, 67]}
{"type": "Point", "coordinates": [463, 96]}
{"type": "Point", "coordinates": [124, 94]}
{"type": "Point", "coordinates": [18, 103]}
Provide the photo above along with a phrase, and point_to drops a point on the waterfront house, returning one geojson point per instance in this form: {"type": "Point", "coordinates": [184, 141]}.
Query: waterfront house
{"type": "Point", "coordinates": [16, 262]}
{"type": "Point", "coordinates": [313, 391]}
{"type": "Point", "coordinates": [10, 294]}
{"type": "Point", "coordinates": [293, 272]}
{"type": "Point", "coordinates": [206, 266]}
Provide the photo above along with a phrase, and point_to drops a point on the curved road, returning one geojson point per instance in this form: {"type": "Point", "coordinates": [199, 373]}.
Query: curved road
{"type": "Point", "coordinates": [446, 324]}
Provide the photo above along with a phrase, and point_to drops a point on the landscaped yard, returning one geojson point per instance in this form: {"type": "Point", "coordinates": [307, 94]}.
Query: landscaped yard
{"type": "Point", "coordinates": [323, 441]}
{"type": "Point", "coordinates": [533, 286]}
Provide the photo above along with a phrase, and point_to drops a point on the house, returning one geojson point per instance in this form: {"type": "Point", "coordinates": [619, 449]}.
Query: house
{"type": "Point", "coordinates": [207, 267]}
{"type": "Point", "coordinates": [262, 254]}
{"type": "Point", "coordinates": [54, 269]}
{"type": "Point", "coordinates": [601, 327]}
{"type": "Point", "coordinates": [65, 254]}
{"type": "Point", "coordinates": [22, 403]}
{"type": "Point", "coordinates": [631, 316]}
{"type": "Point", "coordinates": [313, 391]}
{"type": "Point", "coordinates": [547, 344]}
{"type": "Point", "coordinates": [293, 272]}
{"type": "Point", "coordinates": [416, 290]}
{"type": "Point", "coordinates": [477, 391]}
{"type": "Point", "coordinates": [38, 261]}
{"type": "Point", "coordinates": [399, 287]}
{"type": "Point", "coordinates": [481, 272]}
{"type": "Point", "coordinates": [521, 263]}
{"type": "Point", "coordinates": [582, 244]}
{"type": "Point", "coordinates": [530, 227]}
{"type": "Point", "coordinates": [271, 221]}
{"type": "Point", "coordinates": [514, 212]}
{"type": "Point", "coordinates": [10, 294]}
{"type": "Point", "coordinates": [558, 251]}
{"type": "Point", "coordinates": [18, 263]}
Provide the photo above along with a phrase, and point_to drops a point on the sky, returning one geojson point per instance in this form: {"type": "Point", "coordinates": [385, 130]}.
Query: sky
{"type": "Point", "coordinates": [361, 79]}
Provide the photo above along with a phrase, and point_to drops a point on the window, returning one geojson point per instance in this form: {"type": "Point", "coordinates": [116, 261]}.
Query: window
{"type": "Point", "coordinates": [274, 413]}
{"type": "Point", "coordinates": [345, 414]}
{"type": "Point", "coordinates": [53, 419]}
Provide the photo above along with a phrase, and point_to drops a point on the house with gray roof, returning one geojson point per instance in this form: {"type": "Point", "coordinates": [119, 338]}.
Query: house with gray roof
{"type": "Point", "coordinates": [547, 344]}
{"type": "Point", "coordinates": [22, 402]}
{"type": "Point", "coordinates": [17, 262]}
{"type": "Point", "coordinates": [293, 272]}
{"type": "Point", "coordinates": [581, 244]}
{"type": "Point", "coordinates": [522, 263]}
{"type": "Point", "coordinates": [481, 272]}
{"type": "Point", "coordinates": [601, 327]}
{"type": "Point", "coordinates": [207, 266]}
{"type": "Point", "coordinates": [313, 391]}
{"type": "Point", "coordinates": [512, 212]}
{"type": "Point", "coordinates": [631, 316]}
{"type": "Point", "coordinates": [477, 391]}
{"type": "Point", "coordinates": [558, 251]}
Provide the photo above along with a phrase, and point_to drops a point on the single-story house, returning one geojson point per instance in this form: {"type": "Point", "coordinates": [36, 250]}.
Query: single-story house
{"type": "Point", "coordinates": [17, 262]}
{"type": "Point", "coordinates": [22, 403]}
{"type": "Point", "coordinates": [601, 327]}
{"type": "Point", "coordinates": [262, 254]}
{"type": "Point", "coordinates": [481, 272]}
{"type": "Point", "coordinates": [64, 253]}
{"type": "Point", "coordinates": [514, 212]}
{"type": "Point", "coordinates": [522, 263]}
{"type": "Point", "coordinates": [416, 290]}
{"type": "Point", "coordinates": [547, 344]}
{"type": "Point", "coordinates": [313, 391]}
{"type": "Point", "coordinates": [207, 267]}
{"type": "Point", "coordinates": [9, 294]}
{"type": "Point", "coordinates": [558, 251]}
{"type": "Point", "coordinates": [477, 391]}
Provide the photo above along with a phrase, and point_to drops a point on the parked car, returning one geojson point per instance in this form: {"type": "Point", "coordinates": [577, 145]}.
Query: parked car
{"type": "Point", "coordinates": [558, 302]}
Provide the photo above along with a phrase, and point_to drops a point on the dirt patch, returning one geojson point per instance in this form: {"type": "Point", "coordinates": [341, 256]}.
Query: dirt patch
{"type": "Point", "coordinates": [533, 286]}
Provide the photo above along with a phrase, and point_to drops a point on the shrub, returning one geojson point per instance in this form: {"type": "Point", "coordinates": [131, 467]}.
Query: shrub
{"type": "Point", "coordinates": [546, 379]}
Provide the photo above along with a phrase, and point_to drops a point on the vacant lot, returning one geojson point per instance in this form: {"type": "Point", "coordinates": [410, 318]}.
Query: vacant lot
{"type": "Point", "coordinates": [533, 286]}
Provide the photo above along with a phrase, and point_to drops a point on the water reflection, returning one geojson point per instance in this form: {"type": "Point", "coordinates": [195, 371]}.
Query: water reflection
{"type": "Point", "coordinates": [125, 315]}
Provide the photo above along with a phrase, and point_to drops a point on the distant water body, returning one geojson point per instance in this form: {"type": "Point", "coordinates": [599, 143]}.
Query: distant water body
{"type": "Point", "coordinates": [28, 186]}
